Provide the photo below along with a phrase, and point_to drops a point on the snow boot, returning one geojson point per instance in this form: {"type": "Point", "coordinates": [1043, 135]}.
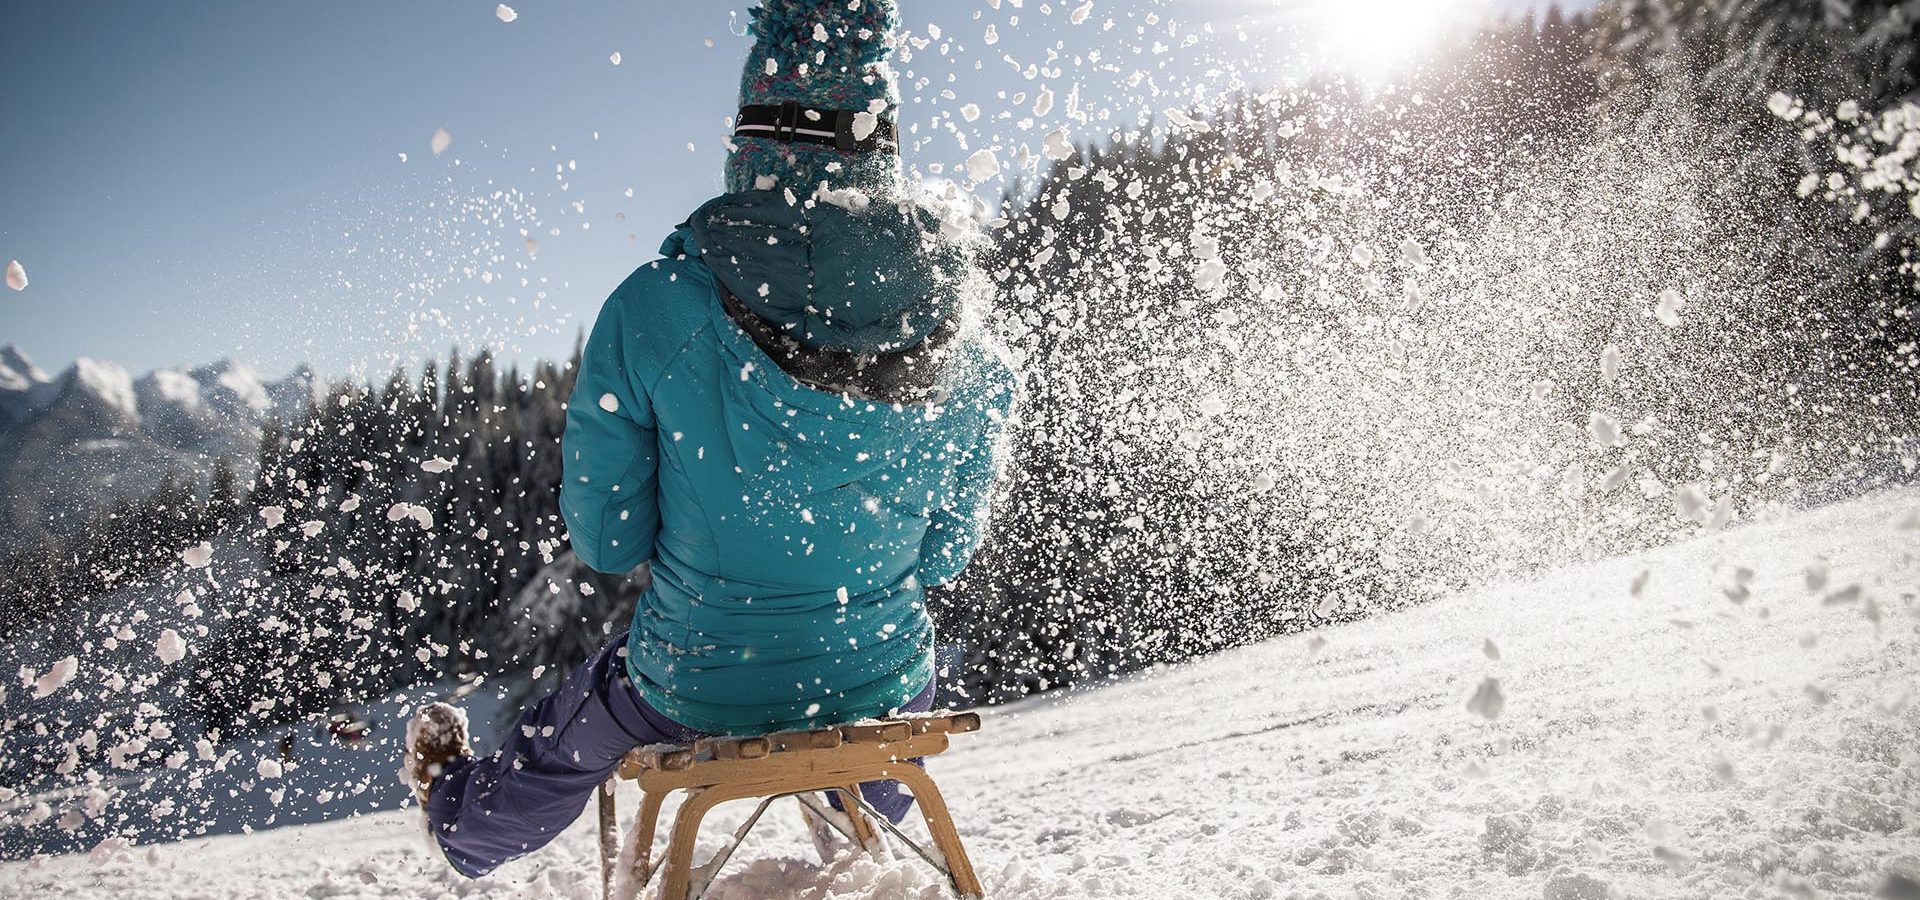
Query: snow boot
{"type": "Point", "coordinates": [436, 735]}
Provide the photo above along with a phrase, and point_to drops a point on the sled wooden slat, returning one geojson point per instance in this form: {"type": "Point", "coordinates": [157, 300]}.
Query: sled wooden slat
{"type": "Point", "coordinates": [956, 723]}
{"type": "Point", "coordinates": [817, 739]}
{"type": "Point", "coordinates": [716, 770]}
{"type": "Point", "coordinates": [878, 732]}
{"type": "Point", "coordinates": [739, 748]}
{"type": "Point", "coordinates": [665, 758]}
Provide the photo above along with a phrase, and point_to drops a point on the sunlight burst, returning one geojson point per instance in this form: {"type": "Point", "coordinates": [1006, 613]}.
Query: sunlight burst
{"type": "Point", "coordinates": [1375, 39]}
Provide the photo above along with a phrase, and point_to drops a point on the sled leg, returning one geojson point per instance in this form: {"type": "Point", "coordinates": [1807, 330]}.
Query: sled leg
{"type": "Point", "coordinates": [677, 869]}
{"type": "Point", "coordinates": [640, 869]}
{"type": "Point", "coordinates": [863, 833]}
{"type": "Point", "coordinates": [609, 838]}
{"type": "Point", "coordinates": [940, 824]}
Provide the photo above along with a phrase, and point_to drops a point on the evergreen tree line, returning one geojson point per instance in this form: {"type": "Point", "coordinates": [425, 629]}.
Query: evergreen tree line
{"type": "Point", "coordinates": [399, 529]}
{"type": "Point", "coordinates": [135, 538]}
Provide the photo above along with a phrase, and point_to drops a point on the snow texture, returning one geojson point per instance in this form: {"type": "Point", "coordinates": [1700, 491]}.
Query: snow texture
{"type": "Point", "coordinates": [1657, 740]}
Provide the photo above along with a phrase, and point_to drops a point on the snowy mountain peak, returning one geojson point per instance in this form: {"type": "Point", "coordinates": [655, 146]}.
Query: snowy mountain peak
{"type": "Point", "coordinates": [101, 381]}
{"type": "Point", "coordinates": [168, 386]}
{"type": "Point", "coordinates": [17, 372]}
{"type": "Point", "coordinates": [225, 386]}
{"type": "Point", "coordinates": [95, 434]}
{"type": "Point", "coordinates": [234, 386]}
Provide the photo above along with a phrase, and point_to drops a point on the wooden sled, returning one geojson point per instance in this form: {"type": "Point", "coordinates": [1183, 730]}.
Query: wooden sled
{"type": "Point", "coordinates": [783, 764]}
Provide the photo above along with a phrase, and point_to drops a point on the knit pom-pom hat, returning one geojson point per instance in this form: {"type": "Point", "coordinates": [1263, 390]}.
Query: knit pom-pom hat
{"type": "Point", "coordinates": [827, 54]}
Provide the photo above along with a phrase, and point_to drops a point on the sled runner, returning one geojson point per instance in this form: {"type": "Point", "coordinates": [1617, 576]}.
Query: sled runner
{"type": "Point", "coordinates": [783, 764]}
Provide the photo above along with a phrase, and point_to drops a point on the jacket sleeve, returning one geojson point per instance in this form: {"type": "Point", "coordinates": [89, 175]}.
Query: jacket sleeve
{"type": "Point", "coordinates": [610, 457]}
{"type": "Point", "coordinates": [954, 530]}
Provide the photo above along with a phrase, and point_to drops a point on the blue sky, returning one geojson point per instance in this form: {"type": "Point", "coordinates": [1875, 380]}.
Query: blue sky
{"type": "Point", "coordinates": [190, 181]}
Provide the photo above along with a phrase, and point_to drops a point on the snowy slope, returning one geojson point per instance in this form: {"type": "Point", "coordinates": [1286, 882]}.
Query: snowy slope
{"type": "Point", "coordinates": [1722, 734]}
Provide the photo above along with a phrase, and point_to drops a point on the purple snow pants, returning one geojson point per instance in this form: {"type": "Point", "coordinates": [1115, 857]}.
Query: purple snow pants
{"type": "Point", "coordinates": [487, 810]}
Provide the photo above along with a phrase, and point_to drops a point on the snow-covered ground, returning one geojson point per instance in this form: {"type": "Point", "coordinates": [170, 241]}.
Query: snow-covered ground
{"type": "Point", "coordinates": [1725, 730]}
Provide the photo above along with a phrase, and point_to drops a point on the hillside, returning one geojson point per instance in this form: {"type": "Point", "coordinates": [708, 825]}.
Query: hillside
{"type": "Point", "coordinates": [1744, 724]}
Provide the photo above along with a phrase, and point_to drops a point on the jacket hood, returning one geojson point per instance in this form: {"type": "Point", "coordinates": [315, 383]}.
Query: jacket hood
{"type": "Point", "coordinates": [832, 271]}
{"type": "Point", "coordinates": [791, 440]}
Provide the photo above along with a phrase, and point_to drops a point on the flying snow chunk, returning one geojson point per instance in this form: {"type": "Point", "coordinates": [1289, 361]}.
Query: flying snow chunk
{"type": "Point", "coordinates": [1043, 103]}
{"type": "Point", "coordinates": [505, 13]}
{"type": "Point", "coordinates": [1616, 478]}
{"type": "Point", "coordinates": [1413, 296]}
{"type": "Point", "coordinates": [1179, 117]}
{"type": "Point", "coordinates": [970, 111]}
{"type": "Point", "coordinates": [442, 138]}
{"type": "Point", "coordinates": [1692, 502]}
{"type": "Point", "coordinates": [610, 403]}
{"type": "Point", "coordinates": [16, 276]}
{"type": "Point", "coordinates": [1488, 702]}
{"type": "Point", "coordinates": [1412, 253]}
{"type": "Point", "coordinates": [198, 555]}
{"type": "Point", "coordinates": [55, 678]}
{"type": "Point", "coordinates": [170, 647]}
{"type": "Point", "coordinates": [1057, 146]}
{"type": "Point", "coordinates": [1667, 310]}
{"type": "Point", "coordinates": [436, 465]}
{"type": "Point", "coordinates": [1491, 650]}
{"type": "Point", "coordinates": [1081, 12]}
{"type": "Point", "coordinates": [1604, 429]}
{"type": "Point", "coordinates": [404, 510]}
{"type": "Point", "coordinates": [982, 165]}
{"type": "Point", "coordinates": [614, 58]}
{"type": "Point", "coordinates": [273, 515]}
{"type": "Point", "coordinates": [864, 124]}
{"type": "Point", "coordinates": [271, 768]}
{"type": "Point", "coordinates": [1210, 274]}
{"type": "Point", "coordinates": [1610, 364]}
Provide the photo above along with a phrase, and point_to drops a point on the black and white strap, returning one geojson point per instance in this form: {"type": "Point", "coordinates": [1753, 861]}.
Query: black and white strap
{"type": "Point", "coordinates": [795, 123]}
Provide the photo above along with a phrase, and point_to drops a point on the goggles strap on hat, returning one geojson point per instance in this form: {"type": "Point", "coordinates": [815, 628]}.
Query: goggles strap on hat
{"type": "Point", "coordinates": [794, 123]}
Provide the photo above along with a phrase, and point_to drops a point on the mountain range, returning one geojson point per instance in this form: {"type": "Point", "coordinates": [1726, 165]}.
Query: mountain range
{"type": "Point", "coordinates": [74, 443]}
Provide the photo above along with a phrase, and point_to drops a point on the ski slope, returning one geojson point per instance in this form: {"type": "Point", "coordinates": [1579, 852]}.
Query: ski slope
{"type": "Point", "coordinates": [1724, 733]}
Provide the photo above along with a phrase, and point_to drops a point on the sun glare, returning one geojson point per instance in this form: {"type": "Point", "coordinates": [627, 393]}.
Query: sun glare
{"type": "Point", "coordinates": [1375, 39]}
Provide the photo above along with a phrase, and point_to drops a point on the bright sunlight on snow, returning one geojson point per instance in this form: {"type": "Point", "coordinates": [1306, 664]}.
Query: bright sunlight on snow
{"type": "Point", "coordinates": [1674, 744]}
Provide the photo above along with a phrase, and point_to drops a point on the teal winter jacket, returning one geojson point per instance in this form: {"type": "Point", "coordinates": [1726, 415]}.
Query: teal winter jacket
{"type": "Point", "coordinates": [791, 530]}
